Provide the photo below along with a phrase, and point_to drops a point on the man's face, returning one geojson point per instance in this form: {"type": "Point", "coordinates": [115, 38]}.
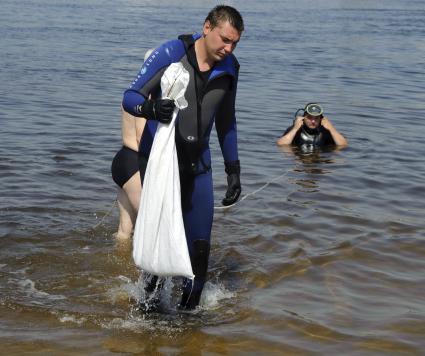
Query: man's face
{"type": "Point", "coordinates": [312, 122]}
{"type": "Point", "coordinates": [221, 40]}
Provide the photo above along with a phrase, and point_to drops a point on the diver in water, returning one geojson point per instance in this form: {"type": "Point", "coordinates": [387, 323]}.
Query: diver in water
{"type": "Point", "coordinates": [210, 94]}
{"type": "Point", "coordinates": [312, 130]}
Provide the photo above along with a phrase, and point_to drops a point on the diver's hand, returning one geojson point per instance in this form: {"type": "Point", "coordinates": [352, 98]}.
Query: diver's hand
{"type": "Point", "coordinates": [164, 110]}
{"type": "Point", "coordinates": [234, 188]}
{"type": "Point", "coordinates": [298, 122]}
{"type": "Point", "coordinates": [326, 123]}
{"type": "Point", "coordinates": [160, 109]}
{"type": "Point", "coordinates": [339, 139]}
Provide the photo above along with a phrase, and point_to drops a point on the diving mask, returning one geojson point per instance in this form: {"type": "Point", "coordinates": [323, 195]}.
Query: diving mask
{"type": "Point", "coordinates": [313, 109]}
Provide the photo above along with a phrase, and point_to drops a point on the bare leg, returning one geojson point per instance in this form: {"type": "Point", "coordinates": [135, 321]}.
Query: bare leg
{"type": "Point", "coordinates": [125, 228]}
{"type": "Point", "coordinates": [128, 203]}
{"type": "Point", "coordinates": [133, 188]}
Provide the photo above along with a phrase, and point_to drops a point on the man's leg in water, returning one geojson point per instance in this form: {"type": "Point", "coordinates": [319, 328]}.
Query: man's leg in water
{"type": "Point", "coordinates": [198, 210]}
{"type": "Point", "coordinates": [153, 286]}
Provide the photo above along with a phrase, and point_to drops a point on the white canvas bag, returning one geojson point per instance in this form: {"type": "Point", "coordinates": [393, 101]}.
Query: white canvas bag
{"type": "Point", "coordinates": [159, 241]}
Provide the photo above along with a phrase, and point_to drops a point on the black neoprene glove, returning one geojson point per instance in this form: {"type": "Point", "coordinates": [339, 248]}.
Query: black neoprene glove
{"type": "Point", "coordinates": [160, 109]}
{"type": "Point", "coordinates": [234, 189]}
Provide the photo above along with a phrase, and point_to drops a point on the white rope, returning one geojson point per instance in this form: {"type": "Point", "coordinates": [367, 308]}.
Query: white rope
{"type": "Point", "coordinates": [107, 214]}
{"type": "Point", "coordinates": [216, 207]}
{"type": "Point", "coordinates": [254, 192]}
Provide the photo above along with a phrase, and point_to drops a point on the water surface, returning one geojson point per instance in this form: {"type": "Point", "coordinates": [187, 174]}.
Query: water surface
{"type": "Point", "coordinates": [326, 253]}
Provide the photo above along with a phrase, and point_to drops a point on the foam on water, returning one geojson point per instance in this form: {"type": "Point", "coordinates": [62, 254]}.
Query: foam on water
{"type": "Point", "coordinates": [169, 319]}
{"type": "Point", "coordinates": [212, 294]}
{"type": "Point", "coordinates": [72, 319]}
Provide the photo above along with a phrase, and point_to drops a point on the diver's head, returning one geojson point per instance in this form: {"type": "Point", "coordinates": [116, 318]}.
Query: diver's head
{"type": "Point", "coordinates": [313, 114]}
{"type": "Point", "coordinates": [221, 33]}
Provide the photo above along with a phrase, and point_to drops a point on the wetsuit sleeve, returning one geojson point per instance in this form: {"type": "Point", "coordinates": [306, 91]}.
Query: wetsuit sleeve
{"type": "Point", "coordinates": [148, 80]}
{"type": "Point", "coordinates": [327, 139]}
{"type": "Point", "coordinates": [225, 123]}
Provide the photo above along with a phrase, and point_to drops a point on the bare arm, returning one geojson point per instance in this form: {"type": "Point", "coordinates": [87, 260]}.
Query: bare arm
{"type": "Point", "coordinates": [140, 126]}
{"type": "Point", "coordinates": [339, 139]}
{"type": "Point", "coordinates": [289, 137]}
{"type": "Point", "coordinates": [131, 129]}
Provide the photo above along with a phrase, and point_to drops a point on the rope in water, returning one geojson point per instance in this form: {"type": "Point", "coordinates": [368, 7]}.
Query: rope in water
{"type": "Point", "coordinates": [216, 207]}
{"type": "Point", "coordinates": [254, 192]}
{"type": "Point", "coordinates": [106, 215]}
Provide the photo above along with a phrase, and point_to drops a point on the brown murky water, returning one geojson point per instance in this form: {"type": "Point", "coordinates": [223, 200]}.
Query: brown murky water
{"type": "Point", "coordinates": [325, 255]}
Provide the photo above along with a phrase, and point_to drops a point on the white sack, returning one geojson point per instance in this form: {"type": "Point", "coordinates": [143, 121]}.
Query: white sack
{"type": "Point", "coordinates": [159, 241]}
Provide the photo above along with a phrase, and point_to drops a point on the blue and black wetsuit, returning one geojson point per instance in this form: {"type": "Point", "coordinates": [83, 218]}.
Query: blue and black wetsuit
{"type": "Point", "coordinates": [211, 98]}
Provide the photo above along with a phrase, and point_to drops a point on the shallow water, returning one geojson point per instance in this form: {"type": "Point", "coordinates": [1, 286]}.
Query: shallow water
{"type": "Point", "coordinates": [325, 255]}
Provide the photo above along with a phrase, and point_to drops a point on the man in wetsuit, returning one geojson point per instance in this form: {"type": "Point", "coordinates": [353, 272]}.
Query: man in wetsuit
{"type": "Point", "coordinates": [313, 129]}
{"type": "Point", "coordinates": [211, 96]}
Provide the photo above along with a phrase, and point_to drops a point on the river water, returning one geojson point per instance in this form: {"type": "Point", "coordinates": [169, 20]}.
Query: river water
{"type": "Point", "coordinates": [326, 253]}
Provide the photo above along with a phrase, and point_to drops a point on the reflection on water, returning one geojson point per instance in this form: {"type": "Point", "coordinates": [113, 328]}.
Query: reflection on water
{"type": "Point", "coordinates": [310, 162]}
{"type": "Point", "coordinates": [324, 254]}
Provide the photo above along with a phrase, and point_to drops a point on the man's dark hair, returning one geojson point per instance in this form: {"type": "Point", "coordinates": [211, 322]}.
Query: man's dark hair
{"type": "Point", "coordinates": [223, 13]}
